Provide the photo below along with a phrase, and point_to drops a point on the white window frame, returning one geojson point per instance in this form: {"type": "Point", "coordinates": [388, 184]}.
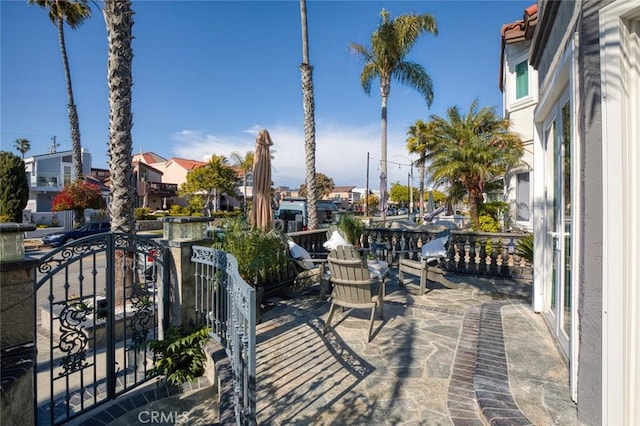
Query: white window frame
{"type": "Point", "coordinates": [514, 101]}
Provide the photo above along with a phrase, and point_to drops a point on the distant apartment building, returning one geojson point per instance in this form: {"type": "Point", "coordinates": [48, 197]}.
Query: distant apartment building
{"type": "Point", "coordinates": [344, 196]}
{"type": "Point", "coordinates": [47, 175]}
{"type": "Point", "coordinates": [519, 86]}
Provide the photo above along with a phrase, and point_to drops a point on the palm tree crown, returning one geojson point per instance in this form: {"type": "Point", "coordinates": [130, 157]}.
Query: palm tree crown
{"type": "Point", "coordinates": [386, 60]}
{"type": "Point", "coordinates": [470, 149]}
{"type": "Point", "coordinates": [22, 145]}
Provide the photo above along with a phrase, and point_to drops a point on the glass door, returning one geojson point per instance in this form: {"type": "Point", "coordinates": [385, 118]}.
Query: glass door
{"type": "Point", "coordinates": [558, 190]}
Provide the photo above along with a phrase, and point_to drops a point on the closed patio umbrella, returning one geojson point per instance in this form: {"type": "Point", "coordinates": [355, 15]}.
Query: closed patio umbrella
{"type": "Point", "coordinates": [384, 195]}
{"type": "Point", "coordinates": [261, 213]}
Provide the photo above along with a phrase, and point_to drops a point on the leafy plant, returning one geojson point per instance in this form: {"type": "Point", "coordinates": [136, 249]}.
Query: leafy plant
{"type": "Point", "coordinates": [141, 213]}
{"type": "Point", "coordinates": [262, 256]}
{"type": "Point", "coordinates": [488, 224]}
{"type": "Point", "coordinates": [351, 227]}
{"type": "Point", "coordinates": [179, 357]}
{"type": "Point", "coordinates": [524, 247]}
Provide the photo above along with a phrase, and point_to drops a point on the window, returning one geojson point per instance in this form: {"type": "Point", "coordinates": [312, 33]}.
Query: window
{"type": "Point", "coordinates": [522, 197]}
{"type": "Point", "coordinates": [522, 80]}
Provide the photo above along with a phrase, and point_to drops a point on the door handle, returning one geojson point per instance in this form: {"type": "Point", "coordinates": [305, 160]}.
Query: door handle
{"type": "Point", "coordinates": [559, 234]}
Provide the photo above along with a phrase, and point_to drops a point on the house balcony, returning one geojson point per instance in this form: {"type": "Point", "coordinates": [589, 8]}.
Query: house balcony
{"type": "Point", "coordinates": [158, 189]}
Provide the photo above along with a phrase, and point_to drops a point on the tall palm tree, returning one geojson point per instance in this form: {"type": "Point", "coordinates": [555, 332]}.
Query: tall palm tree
{"type": "Point", "coordinates": [471, 149]}
{"type": "Point", "coordinates": [386, 60]}
{"type": "Point", "coordinates": [22, 145]}
{"type": "Point", "coordinates": [417, 143]}
{"type": "Point", "coordinates": [308, 104]}
{"type": "Point", "coordinates": [74, 13]}
{"type": "Point", "coordinates": [118, 17]}
{"type": "Point", "coordinates": [246, 165]}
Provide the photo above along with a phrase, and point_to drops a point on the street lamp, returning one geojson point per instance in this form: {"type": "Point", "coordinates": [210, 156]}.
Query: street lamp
{"type": "Point", "coordinates": [410, 182]}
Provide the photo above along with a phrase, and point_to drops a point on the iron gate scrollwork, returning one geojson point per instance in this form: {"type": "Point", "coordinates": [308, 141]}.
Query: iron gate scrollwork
{"type": "Point", "coordinates": [97, 300]}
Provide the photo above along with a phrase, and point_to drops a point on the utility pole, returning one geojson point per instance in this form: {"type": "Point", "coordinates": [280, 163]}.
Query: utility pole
{"type": "Point", "coordinates": [54, 145]}
{"type": "Point", "coordinates": [366, 191]}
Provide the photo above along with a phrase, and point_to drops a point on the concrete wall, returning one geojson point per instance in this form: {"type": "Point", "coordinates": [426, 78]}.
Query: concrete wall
{"type": "Point", "coordinates": [17, 337]}
{"type": "Point", "coordinates": [590, 317]}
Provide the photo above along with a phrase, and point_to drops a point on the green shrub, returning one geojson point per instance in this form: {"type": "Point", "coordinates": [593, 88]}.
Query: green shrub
{"type": "Point", "coordinates": [488, 224]}
{"type": "Point", "coordinates": [5, 218]}
{"type": "Point", "coordinates": [14, 188]}
{"type": "Point", "coordinates": [141, 213]}
{"type": "Point", "coordinates": [524, 247]}
{"type": "Point", "coordinates": [179, 357]}
{"type": "Point", "coordinates": [262, 256]}
{"type": "Point", "coordinates": [175, 210]}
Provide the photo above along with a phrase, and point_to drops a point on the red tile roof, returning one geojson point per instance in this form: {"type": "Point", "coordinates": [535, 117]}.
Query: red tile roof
{"type": "Point", "coordinates": [188, 164]}
{"type": "Point", "coordinates": [149, 158]}
{"type": "Point", "coordinates": [515, 32]}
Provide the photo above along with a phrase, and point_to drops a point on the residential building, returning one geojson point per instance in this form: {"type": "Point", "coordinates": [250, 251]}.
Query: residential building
{"type": "Point", "coordinates": [586, 184]}
{"type": "Point", "coordinates": [152, 192]}
{"type": "Point", "coordinates": [518, 83]}
{"type": "Point", "coordinates": [343, 196]}
{"type": "Point", "coordinates": [47, 175]}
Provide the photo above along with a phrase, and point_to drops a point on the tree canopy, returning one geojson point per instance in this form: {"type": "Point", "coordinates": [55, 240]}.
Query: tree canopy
{"type": "Point", "coordinates": [324, 186]}
{"type": "Point", "coordinates": [78, 195]}
{"type": "Point", "coordinates": [471, 149]}
{"type": "Point", "coordinates": [213, 179]}
{"type": "Point", "coordinates": [14, 188]}
{"type": "Point", "coordinates": [22, 145]}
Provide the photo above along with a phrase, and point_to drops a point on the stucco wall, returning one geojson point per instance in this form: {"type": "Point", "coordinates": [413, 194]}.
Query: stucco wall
{"type": "Point", "coordinates": [553, 47]}
{"type": "Point", "coordinates": [590, 359]}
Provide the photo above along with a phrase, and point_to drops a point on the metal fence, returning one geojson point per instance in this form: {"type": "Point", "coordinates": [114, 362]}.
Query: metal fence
{"type": "Point", "coordinates": [227, 305]}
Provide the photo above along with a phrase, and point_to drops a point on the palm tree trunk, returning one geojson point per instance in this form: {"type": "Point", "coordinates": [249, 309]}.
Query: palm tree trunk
{"type": "Point", "coordinates": [73, 116]}
{"type": "Point", "coordinates": [308, 104]}
{"type": "Point", "coordinates": [421, 191]}
{"type": "Point", "coordinates": [74, 122]}
{"type": "Point", "coordinates": [384, 92]}
{"type": "Point", "coordinates": [119, 19]}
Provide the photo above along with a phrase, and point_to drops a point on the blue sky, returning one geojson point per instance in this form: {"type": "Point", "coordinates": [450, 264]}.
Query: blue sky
{"type": "Point", "coordinates": [209, 74]}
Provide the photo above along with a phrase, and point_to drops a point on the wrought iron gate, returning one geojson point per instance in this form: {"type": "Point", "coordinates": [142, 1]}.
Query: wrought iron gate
{"type": "Point", "coordinates": [97, 299]}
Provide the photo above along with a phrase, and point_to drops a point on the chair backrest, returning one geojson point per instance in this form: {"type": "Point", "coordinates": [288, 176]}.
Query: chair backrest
{"type": "Point", "coordinates": [350, 276]}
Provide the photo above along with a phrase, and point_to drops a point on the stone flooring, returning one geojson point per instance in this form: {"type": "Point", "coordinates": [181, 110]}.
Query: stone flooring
{"type": "Point", "coordinates": [475, 355]}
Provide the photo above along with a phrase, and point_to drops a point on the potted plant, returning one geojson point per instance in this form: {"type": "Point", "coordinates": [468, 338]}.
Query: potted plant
{"type": "Point", "coordinates": [351, 227]}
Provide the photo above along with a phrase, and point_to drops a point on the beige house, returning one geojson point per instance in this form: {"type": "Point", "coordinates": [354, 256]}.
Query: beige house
{"type": "Point", "coordinates": [344, 196]}
{"type": "Point", "coordinates": [519, 86]}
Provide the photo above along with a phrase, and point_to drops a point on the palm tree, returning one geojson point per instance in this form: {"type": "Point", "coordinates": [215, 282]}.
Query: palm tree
{"type": "Point", "coordinates": [471, 149]}
{"type": "Point", "coordinates": [22, 145]}
{"type": "Point", "coordinates": [246, 165]}
{"type": "Point", "coordinates": [118, 17]}
{"type": "Point", "coordinates": [308, 103]}
{"type": "Point", "coordinates": [74, 13]}
{"type": "Point", "coordinates": [386, 59]}
{"type": "Point", "coordinates": [417, 143]}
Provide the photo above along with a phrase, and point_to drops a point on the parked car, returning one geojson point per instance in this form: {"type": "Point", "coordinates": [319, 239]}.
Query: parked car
{"type": "Point", "coordinates": [403, 211]}
{"type": "Point", "coordinates": [391, 211]}
{"type": "Point", "coordinates": [57, 239]}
